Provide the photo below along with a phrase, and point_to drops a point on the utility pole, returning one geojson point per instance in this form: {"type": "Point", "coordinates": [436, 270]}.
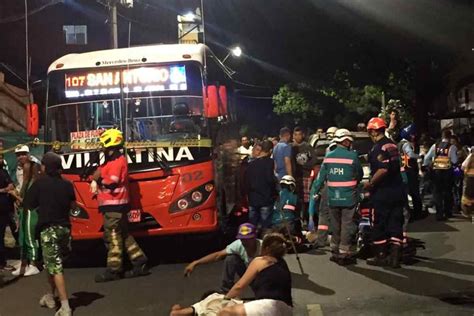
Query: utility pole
{"type": "Point", "coordinates": [113, 23]}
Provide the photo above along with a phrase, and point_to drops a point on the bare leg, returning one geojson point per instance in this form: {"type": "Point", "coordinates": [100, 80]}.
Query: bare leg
{"type": "Point", "coordinates": [60, 286]}
{"type": "Point", "coordinates": [177, 310]}
{"type": "Point", "coordinates": [51, 283]}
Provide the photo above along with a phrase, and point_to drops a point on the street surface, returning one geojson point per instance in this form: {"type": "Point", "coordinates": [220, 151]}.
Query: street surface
{"type": "Point", "coordinates": [441, 282]}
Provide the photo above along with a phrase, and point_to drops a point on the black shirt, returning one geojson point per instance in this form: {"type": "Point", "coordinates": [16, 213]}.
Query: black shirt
{"type": "Point", "coordinates": [261, 182]}
{"type": "Point", "coordinates": [274, 283]}
{"type": "Point", "coordinates": [304, 159]}
{"type": "Point", "coordinates": [53, 197]}
{"type": "Point", "coordinates": [385, 155]}
{"type": "Point", "coordinates": [6, 201]}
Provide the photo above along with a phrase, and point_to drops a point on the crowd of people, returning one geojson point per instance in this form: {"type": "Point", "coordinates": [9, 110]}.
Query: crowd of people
{"type": "Point", "coordinates": [293, 196]}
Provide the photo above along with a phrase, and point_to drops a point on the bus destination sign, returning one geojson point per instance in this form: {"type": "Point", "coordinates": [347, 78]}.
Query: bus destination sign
{"type": "Point", "coordinates": [109, 81]}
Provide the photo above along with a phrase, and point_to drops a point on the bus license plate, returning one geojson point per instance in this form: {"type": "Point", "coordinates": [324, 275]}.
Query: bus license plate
{"type": "Point", "coordinates": [134, 216]}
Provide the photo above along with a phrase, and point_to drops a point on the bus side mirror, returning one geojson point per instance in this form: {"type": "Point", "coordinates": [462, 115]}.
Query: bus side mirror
{"type": "Point", "coordinates": [212, 110]}
{"type": "Point", "coordinates": [32, 119]}
{"type": "Point", "coordinates": [223, 101]}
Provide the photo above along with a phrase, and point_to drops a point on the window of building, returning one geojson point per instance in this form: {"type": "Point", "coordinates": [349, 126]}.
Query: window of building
{"type": "Point", "coordinates": [75, 34]}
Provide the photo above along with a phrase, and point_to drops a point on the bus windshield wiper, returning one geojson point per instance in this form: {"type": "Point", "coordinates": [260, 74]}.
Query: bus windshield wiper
{"type": "Point", "coordinates": [161, 162]}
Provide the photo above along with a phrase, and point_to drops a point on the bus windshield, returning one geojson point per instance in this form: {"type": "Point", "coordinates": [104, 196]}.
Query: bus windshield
{"type": "Point", "coordinates": [156, 102]}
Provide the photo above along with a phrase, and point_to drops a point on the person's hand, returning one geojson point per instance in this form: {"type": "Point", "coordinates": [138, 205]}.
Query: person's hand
{"type": "Point", "coordinates": [189, 269]}
{"type": "Point", "coordinates": [93, 187]}
{"type": "Point", "coordinates": [311, 224]}
{"type": "Point", "coordinates": [367, 186]}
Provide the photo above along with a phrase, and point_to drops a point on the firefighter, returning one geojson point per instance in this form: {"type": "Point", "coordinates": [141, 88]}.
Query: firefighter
{"type": "Point", "coordinates": [410, 165]}
{"type": "Point", "coordinates": [342, 172]}
{"type": "Point", "coordinates": [388, 196]}
{"type": "Point", "coordinates": [110, 183]}
{"type": "Point", "coordinates": [442, 157]}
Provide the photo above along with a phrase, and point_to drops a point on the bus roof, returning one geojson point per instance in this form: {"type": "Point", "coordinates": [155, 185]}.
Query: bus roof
{"type": "Point", "coordinates": [131, 56]}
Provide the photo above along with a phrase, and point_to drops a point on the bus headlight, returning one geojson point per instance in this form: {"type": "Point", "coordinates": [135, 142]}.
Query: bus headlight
{"type": "Point", "coordinates": [183, 204]}
{"type": "Point", "coordinates": [78, 212]}
{"type": "Point", "coordinates": [194, 198]}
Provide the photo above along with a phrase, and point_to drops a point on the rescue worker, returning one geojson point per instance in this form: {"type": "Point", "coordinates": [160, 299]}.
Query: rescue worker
{"type": "Point", "coordinates": [342, 172]}
{"type": "Point", "coordinates": [442, 157]}
{"type": "Point", "coordinates": [322, 233]}
{"type": "Point", "coordinates": [110, 183]}
{"type": "Point", "coordinates": [410, 165]}
{"type": "Point", "coordinates": [387, 194]}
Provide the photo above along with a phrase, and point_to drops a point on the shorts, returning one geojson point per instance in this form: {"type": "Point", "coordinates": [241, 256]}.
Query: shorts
{"type": "Point", "coordinates": [267, 307]}
{"type": "Point", "coordinates": [213, 304]}
{"type": "Point", "coordinates": [56, 245]}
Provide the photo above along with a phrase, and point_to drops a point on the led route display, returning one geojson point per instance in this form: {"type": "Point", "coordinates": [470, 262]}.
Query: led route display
{"type": "Point", "coordinates": [109, 81]}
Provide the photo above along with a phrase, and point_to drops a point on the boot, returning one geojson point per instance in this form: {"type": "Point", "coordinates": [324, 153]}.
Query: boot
{"type": "Point", "coordinates": [380, 256]}
{"type": "Point", "coordinates": [395, 256]}
{"type": "Point", "coordinates": [107, 276]}
{"type": "Point", "coordinates": [137, 271]}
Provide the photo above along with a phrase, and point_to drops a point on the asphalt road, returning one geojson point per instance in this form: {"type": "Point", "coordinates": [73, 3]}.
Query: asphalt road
{"type": "Point", "coordinates": [440, 282]}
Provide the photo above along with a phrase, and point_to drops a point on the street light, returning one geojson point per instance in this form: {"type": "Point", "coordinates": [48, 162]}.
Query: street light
{"type": "Point", "coordinates": [189, 17]}
{"type": "Point", "coordinates": [235, 51]}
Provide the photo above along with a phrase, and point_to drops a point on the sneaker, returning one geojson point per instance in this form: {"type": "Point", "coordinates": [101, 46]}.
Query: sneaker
{"type": "Point", "coordinates": [7, 267]}
{"type": "Point", "coordinates": [17, 271]}
{"type": "Point", "coordinates": [431, 210]}
{"type": "Point", "coordinates": [63, 312]}
{"type": "Point", "coordinates": [348, 260]}
{"type": "Point", "coordinates": [31, 270]}
{"type": "Point", "coordinates": [48, 301]}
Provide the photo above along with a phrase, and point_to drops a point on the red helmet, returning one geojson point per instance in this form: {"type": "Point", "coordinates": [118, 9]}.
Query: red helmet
{"type": "Point", "coordinates": [376, 123]}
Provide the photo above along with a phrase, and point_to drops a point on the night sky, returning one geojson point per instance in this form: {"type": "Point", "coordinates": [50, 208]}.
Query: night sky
{"type": "Point", "coordinates": [293, 40]}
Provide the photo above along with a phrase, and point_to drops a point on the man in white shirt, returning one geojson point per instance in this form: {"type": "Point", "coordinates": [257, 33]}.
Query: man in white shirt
{"type": "Point", "coordinates": [245, 150]}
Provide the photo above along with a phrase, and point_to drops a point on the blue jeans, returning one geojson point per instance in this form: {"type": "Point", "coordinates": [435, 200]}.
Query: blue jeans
{"type": "Point", "coordinates": [261, 215]}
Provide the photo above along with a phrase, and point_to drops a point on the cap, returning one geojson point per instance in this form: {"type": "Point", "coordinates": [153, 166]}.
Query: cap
{"type": "Point", "coordinates": [246, 231]}
{"type": "Point", "coordinates": [51, 161]}
{"type": "Point", "coordinates": [22, 149]}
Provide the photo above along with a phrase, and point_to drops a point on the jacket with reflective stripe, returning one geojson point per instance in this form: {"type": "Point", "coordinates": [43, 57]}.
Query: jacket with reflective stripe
{"type": "Point", "coordinates": [342, 171]}
{"type": "Point", "coordinates": [114, 171]}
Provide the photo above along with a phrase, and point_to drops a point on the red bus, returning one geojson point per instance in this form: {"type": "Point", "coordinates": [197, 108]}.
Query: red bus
{"type": "Point", "coordinates": [158, 97]}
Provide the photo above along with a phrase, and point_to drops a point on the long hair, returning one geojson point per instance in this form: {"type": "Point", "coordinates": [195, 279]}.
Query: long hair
{"type": "Point", "coordinates": [274, 245]}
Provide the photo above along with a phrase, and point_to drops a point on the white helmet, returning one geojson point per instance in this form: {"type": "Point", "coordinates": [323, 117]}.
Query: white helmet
{"type": "Point", "coordinates": [22, 149]}
{"type": "Point", "coordinates": [289, 180]}
{"type": "Point", "coordinates": [331, 131]}
{"type": "Point", "coordinates": [342, 134]}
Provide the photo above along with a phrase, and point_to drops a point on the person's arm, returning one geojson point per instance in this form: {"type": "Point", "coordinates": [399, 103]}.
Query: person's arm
{"type": "Point", "coordinates": [287, 159]}
{"type": "Point", "coordinates": [453, 154]}
{"type": "Point", "coordinates": [382, 165]}
{"type": "Point", "coordinates": [466, 162]}
{"type": "Point", "coordinates": [358, 168]}
{"type": "Point", "coordinates": [254, 267]}
{"type": "Point", "coordinates": [408, 149]}
{"type": "Point", "coordinates": [429, 156]}
{"type": "Point", "coordinates": [213, 257]}
{"type": "Point", "coordinates": [318, 183]}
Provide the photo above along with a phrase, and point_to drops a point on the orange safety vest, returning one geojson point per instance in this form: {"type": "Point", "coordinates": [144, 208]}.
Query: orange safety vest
{"type": "Point", "coordinates": [114, 171]}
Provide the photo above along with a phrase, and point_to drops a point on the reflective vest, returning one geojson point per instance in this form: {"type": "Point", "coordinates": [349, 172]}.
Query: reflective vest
{"type": "Point", "coordinates": [442, 161]}
{"type": "Point", "coordinates": [342, 171]}
{"type": "Point", "coordinates": [114, 171]}
{"type": "Point", "coordinates": [407, 162]}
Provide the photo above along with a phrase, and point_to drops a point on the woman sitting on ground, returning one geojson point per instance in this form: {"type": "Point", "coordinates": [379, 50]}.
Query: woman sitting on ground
{"type": "Point", "coordinates": [271, 282]}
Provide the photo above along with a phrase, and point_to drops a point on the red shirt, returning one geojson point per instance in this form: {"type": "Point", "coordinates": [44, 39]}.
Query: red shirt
{"type": "Point", "coordinates": [114, 171]}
